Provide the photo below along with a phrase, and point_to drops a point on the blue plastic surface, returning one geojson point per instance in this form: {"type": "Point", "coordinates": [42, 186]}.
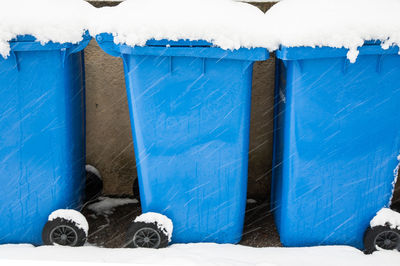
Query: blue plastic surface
{"type": "Point", "coordinates": [42, 144]}
{"type": "Point", "coordinates": [190, 111]}
{"type": "Point", "coordinates": [337, 140]}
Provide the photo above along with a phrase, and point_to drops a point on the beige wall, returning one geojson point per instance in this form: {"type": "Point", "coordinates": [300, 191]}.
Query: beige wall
{"type": "Point", "coordinates": [109, 138]}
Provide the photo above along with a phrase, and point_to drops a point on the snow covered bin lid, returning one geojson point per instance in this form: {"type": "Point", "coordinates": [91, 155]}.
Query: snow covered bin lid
{"type": "Point", "coordinates": [107, 37]}
{"type": "Point", "coordinates": [179, 43]}
{"type": "Point", "coordinates": [43, 23]}
{"type": "Point", "coordinates": [228, 28]}
{"type": "Point", "coordinates": [30, 43]}
{"type": "Point", "coordinates": [298, 53]}
{"type": "Point", "coordinates": [199, 48]}
{"type": "Point", "coordinates": [31, 38]}
{"type": "Point", "coordinates": [336, 24]}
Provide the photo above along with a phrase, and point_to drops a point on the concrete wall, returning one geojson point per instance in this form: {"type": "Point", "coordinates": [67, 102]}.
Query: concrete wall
{"type": "Point", "coordinates": [109, 138]}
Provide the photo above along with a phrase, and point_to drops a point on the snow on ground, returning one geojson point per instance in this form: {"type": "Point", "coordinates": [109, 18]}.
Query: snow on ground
{"type": "Point", "coordinates": [163, 222]}
{"type": "Point", "coordinates": [387, 216]}
{"type": "Point", "coordinates": [199, 254]}
{"type": "Point", "coordinates": [47, 20]}
{"type": "Point", "coordinates": [225, 23]}
{"type": "Point", "coordinates": [106, 205]}
{"type": "Point", "coordinates": [71, 215]}
{"type": "Point", "coordinates": [334, 23]}
{"type": "Point", "coordinates": [248, 1]}
{"type": "Point", "coordinates": [251, 201]}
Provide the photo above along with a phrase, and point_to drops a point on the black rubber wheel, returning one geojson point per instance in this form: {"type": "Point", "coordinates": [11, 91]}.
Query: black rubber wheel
{"type": "Point", "coordinates": [94, 185]}
{"type": "Point", "coordinates": [382, 237]}
{"type": "Point", "coordinates": [146, 235]}
{"type": "Point", "coordinates": [135, 189]}
{"type": "Point", "coordinates": [64, 233]}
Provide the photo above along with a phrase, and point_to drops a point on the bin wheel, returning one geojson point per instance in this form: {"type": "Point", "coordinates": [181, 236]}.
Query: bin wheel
{"type": "Point", "coordinates": [381, 237]}
{"type": "Point", "coordinates": [64, 233]}
{"type": "Point", "coordinates": [146, 235]}
{"type": "Point", "coordinates": [94, 183]}
{"type": "Point", "coordinates": [135, 189]}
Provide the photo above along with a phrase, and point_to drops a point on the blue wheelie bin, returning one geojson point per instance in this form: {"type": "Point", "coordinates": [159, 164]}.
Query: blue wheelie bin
{"type": "Point", "coordinates": [190, 110]}
{"type": "Point", "coordinates": [337, 140]}
{"type": "Point", "coordinates": [42, 144]}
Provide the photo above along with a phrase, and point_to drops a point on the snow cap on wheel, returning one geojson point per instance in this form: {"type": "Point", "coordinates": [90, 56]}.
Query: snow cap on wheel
{"type": "Point", "coordinates": [385, 217]}
{"type": "Point", "coordinates": [163, 222]}
{"type": "Point", "coordinates": [71, 215]}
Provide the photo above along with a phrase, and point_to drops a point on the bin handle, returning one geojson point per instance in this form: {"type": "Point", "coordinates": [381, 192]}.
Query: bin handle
{"type": "Point", "coordinates": [65, 52]}
{"type": "Point", "coordinates": [108, 45]}
{"type": "Point", "coordinates": [77, 48]}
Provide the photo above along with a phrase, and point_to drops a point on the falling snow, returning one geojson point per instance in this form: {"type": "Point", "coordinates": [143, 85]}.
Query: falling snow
{"type": "Point", "coordinates": [227, 24]}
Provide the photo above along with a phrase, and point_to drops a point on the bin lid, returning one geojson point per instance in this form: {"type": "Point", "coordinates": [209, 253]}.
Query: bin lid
{"type": "Point", "coordinates": [24, 38]}
{"type": "Point", "coordinates": [179, 43]}
{"type": "Point", "coordinates": [183, 48]}
{"type": "Point", "coordinates": [30, 43]}
{"type": "Point", "coordinates": [31, 38]}
{"type": "Point", "coordinates": [299, 53]}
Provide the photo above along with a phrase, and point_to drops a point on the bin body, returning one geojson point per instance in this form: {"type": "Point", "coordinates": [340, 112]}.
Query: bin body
{"type": "Point", "coordinates": [336, 142]}
{"type": "Point", "coordinates": [42, 144]}
{"type": "Point", "coordinates": [190, 111]}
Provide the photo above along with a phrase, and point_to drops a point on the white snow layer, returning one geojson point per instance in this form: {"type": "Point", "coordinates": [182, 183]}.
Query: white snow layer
{"type": "Point", "coordinates": [231, 24]}
{"type": "Point", "coordinates": [247, 1]}
{"type": "Point", "coordinates": [333, 23]}
{"type": "Point", "coordinates": [48, 20]}
{"type": "Point", "coordinates": [196, 254]}
{"type": "Point", "coordinates": [225, 23]}
{"type": "Point", "coordinates": [71, 215]}
{"type": "Point", "coordinates": [163, 222]}
{"type": "Point", "coordinates": [106, 205]}
{"type": "Point", "coordinates": [388, 217]}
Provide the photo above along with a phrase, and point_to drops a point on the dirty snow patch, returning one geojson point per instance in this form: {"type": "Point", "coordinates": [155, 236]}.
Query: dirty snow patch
{"type": "Point", "coordinates": [73, 216]}
{"type": "Point", "coordinates": [388, 217]}
{"type": "Point", "coordinates": [163, 222]}
{"type": "Point", "coordinates": [59, 21]}
{"type": "Point", "coordinates": [106, 205]}
{"type": "Point", "coordinates": [225, 23]}
{"type": "Point", "coordinates": [334, 23]}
